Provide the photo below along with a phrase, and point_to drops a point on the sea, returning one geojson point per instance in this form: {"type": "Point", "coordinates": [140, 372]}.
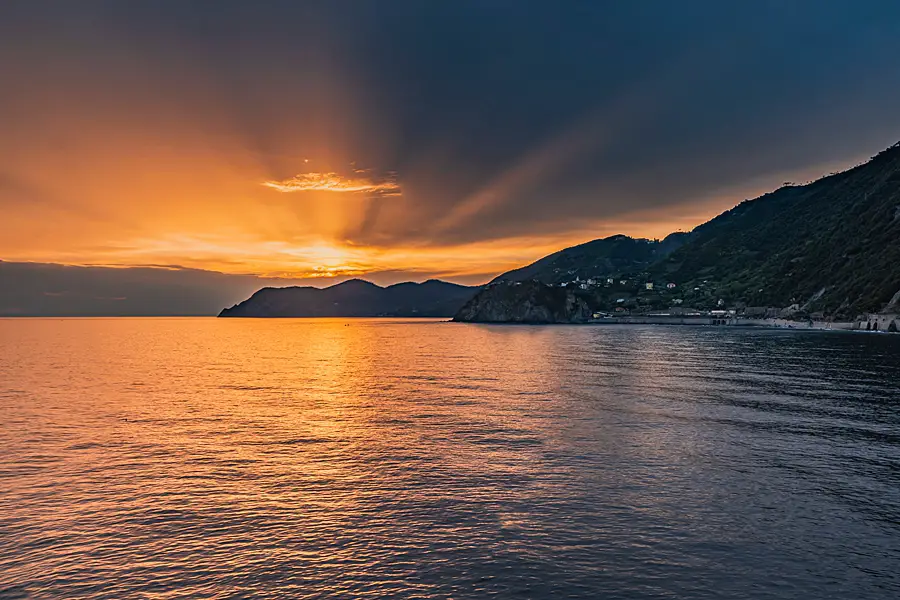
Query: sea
{"type": "Point", "coordinates": [377, 458]}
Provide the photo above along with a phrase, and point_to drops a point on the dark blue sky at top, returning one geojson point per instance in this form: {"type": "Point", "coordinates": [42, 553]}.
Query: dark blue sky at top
{"type": "Point", "coordinates": [514, 72]}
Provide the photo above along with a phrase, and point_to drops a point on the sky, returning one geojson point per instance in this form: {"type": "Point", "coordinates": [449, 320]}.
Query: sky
{"type": "Point", "coordinates": [402, 140]}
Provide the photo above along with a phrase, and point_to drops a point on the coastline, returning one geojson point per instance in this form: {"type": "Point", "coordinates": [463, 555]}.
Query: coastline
{"type": "Point", "coordinates": [843, 326]}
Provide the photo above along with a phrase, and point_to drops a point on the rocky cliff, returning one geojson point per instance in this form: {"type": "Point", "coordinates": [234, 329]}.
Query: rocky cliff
{"type": "Point", "coordinates": [524, 302]}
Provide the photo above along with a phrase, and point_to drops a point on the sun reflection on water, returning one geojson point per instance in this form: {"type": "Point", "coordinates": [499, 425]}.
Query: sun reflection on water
{"type": "Point", "coordinates": [373, 458]}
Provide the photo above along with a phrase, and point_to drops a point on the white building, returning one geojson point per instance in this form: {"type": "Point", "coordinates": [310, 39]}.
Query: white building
{"type": "Point", "coordinates": [881, 322]}
{"type": "Point", "coordinates": [649, 285]}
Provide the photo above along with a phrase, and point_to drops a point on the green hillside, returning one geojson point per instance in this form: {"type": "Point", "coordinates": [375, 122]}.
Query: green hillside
{"type": "Point", "coordinates": [601, 258]}
{"type": "Point", "coordinates": [831, 246]}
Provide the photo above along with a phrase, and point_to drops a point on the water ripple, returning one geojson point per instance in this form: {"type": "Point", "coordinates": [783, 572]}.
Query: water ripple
{"type": "Point", "coordinates": [418, 459]}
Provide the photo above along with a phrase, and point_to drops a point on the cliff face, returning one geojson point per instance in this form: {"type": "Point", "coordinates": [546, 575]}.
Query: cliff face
{"type": "Point", "coordinates": [525, 302]}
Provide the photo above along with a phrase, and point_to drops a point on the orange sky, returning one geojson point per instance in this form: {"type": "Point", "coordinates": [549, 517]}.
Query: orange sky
{"type": "Point", "coordinates": [212, 210]}
{"type": "Point", "coordinates": [134, 196]}
{"type": "Point", "coordinates": [144, 140]}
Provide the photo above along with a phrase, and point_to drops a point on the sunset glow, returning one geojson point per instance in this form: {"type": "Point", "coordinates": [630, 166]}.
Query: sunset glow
{"type": "Point", "coordinates": [285, 159]}
{"type": "Point", "coordinates": [470, 299]}
{"type": "Point", "coordinates": [332, 182]}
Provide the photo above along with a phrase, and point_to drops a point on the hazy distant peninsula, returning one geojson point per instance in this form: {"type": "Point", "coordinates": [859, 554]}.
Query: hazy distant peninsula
{"type": "Point", "coordinates": [824, 251]}
{"type": "Point", "coordinates": [356, 298]}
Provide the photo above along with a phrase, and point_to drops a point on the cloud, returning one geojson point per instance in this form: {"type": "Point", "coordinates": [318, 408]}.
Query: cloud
{"type": "Point", "coordinates": [332, 182]}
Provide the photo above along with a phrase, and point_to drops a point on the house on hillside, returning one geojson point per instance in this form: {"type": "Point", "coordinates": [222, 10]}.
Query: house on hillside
{"type": "Point", "coordinates": [670, 286]}
{"type": "Point", "coordinates": [649, 285]}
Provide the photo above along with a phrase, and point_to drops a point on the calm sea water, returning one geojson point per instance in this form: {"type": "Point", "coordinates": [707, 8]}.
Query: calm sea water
{"type": "Point", "coordinates": [204, 458]}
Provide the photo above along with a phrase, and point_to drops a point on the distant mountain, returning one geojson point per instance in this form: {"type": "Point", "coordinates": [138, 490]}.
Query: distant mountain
{"type": "Point", "coordinates": [607, 257]}
{"type": "Point", "coordinates": [829, 248]}
{"type": "Point", "coordinates": [356, 298]}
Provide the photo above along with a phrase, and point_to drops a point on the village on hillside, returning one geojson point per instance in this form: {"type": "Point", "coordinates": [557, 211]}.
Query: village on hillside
{"type": "Point", "coordinates": [643, 300]}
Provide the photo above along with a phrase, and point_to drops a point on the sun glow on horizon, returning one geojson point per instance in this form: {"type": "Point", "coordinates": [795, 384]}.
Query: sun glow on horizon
{"type": "Point", "coordinates": [221, 213]}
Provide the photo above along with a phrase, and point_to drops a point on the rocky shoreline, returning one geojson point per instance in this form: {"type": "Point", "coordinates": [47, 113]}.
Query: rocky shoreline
{"type": "Point", "coordinates": [534, 303]}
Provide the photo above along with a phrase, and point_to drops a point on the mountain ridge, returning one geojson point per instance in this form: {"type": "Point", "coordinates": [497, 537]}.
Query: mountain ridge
{"type": "Point", "coordinates": [356, 298]}
{"type": "Point", "coordinates": [600, 257]}
{"type": "Point", "coordinates": [832, 245]}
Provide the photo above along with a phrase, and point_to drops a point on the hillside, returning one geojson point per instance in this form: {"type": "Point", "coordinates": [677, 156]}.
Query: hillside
{"type": "Point", "coordinates": [606, 257]}
{"type": "Point", "coordinates": [829, 248]}
{"type": "Point", "coordinates": [356, 298]}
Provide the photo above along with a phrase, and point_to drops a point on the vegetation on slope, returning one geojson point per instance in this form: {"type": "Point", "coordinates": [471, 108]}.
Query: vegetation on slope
{"type": "Point", "coordinates": [831, 246]}
{"type": "Point", "coordinates": [610, 256]}
{"type": "Point", "coordinates": [524, 302]}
